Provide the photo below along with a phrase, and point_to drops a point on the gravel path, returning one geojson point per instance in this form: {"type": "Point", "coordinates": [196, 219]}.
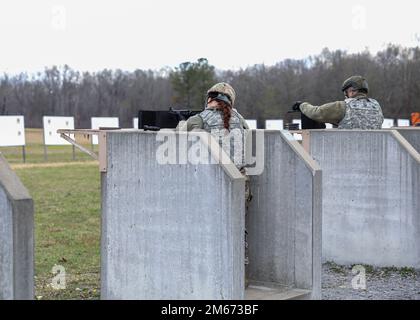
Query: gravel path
{"type": "Point", "coordinates": [381, 283]}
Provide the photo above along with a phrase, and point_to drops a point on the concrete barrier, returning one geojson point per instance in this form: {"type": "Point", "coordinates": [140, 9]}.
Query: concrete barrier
{"type": "Point", "coordinates": [371, 196]}
{"type": "Point", "coordinates": [284, 219]}
{"type": "Point", "coordinates": [412, 135]}
{"type": "Point", "coordinates": [177, 231]}
{"type": "Point", "coordinates": [16, 237]}
{"type": "Point", "coordinates": [169, 231]}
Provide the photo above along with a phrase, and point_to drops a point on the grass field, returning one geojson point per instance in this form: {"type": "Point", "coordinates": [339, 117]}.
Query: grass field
{"type": "Point", "coordinates": [67, 227]}
{"type": "Point", "coordinates": [66, 195]}
{"type": "Point", "coordinates": [35, 150]}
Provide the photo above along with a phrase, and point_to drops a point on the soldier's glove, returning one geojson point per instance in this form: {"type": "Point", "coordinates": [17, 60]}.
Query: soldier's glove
{"type": "Point", "coordinates": [296, 106]}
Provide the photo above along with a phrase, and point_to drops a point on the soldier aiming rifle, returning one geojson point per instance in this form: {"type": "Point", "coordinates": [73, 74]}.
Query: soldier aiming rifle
{"type": "Point", "coordinates": [357, 111]}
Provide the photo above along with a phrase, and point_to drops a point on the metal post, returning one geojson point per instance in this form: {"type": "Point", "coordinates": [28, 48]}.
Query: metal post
{"type": "Point", "coordinates": [74, 153]}
{"type": "Point", "coordinates": [24, 154]}
{"type": "Point", "coordinates": [45, 147]}
{"type": "Point", "coordinates": [63, 134]}
{"type": "Point", "coordinates": [45, 153]}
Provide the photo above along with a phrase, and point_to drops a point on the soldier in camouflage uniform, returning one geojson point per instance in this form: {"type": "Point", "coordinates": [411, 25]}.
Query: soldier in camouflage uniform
{"type": "Point", "coordinates": [357, 111]}
{"type": "Point", "coordinates": [223, 121]}
{"type": "Point", "coordinates": [227, 125]}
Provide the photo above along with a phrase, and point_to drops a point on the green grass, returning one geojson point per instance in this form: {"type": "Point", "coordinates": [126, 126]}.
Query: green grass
{"type": "Point", "coordinates": [35, 153]}
{"type": "Point", "coordinates": [404, 271]}
{"type": "Point", "coordinates": [67, 228]}
{"type": "Point", "coordinates": [335, 267]}
{"type": "Point", "coordinates": [371, 270]}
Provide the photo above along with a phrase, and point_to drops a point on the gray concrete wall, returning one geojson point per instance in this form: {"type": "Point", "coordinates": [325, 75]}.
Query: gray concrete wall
{"type": "Point", "coordinates": [177, 231]}
{"type": "Point", "coordinates": [284, 220]}
{"type": "Point", "coordinates": [155, 244]}
{"type": "Point", "coordinates": [16, 237]}
{"type": "Point", "coordinates": [371, 197]}
{"type": "Point", "coordinates": [412, 135]}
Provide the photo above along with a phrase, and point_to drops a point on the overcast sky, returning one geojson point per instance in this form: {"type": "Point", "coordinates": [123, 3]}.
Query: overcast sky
{"type": "Point", "coordinates": [152, 34]}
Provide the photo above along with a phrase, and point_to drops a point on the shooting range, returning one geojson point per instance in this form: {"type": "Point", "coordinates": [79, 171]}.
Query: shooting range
{"type": "Point", "coordinates": [103, 122]}
{"type": "Point", "coordinates": [139, 160]}
{"type": "Point", "coordinates": [206, 246]}
{"type": "Point", "coordinates": [302, 203]}
{"type": "Point", "coordinates": [50, 135]}
{"type": "Point", "coordinates": [274, 124]}
{"type": "Point", "coordinates": [12, 133]}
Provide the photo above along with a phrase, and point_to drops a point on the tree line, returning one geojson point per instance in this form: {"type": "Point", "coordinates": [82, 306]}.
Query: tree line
{"type": "Point", "coordinates": [263, 92]}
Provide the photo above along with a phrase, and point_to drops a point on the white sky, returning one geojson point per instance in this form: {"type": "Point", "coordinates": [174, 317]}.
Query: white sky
{"type": "Point", "coordinates": [129, 34]}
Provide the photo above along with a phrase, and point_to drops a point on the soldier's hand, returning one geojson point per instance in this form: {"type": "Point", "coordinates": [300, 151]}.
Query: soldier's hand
{"type": "Point", "coordinates": [296, 105]}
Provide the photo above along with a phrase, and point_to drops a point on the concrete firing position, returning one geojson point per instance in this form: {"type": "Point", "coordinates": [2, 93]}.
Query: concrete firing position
{"type": "Point", "coordinates": [176, 231]}
{"type": "Point", "coordinates": [16, 237]}
{"type": "Point", "coordinates": [371, 197]}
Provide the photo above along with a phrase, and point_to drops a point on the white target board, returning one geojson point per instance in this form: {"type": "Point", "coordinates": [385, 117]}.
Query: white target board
{"type": "Point", "coordinates": [329, 126]}
{"type": "Point", "coordinates": [135, 123]}
{"type": "Point", "coordinates": [103, 122]}
{"type": "Point", "coordinates": [51, 125]}
{"type": "Point", "coordinates": [298, 121]}
{"type": "Point", "coordinates": [388, 123]}
{"type": "Point", "coordinates": [12, 131]}
{"type": "Point", "coordinates": [403, 123]}
{"type": "Point", "coordinates": [274, 124]}
{"type": "Point", "coordinates": [252, 124]}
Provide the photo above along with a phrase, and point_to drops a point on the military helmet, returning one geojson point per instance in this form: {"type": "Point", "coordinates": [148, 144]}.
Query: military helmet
{"type": "Point", "coordinates": [222, 91]}
{"type": "Point", "coordinates": [357, 83]}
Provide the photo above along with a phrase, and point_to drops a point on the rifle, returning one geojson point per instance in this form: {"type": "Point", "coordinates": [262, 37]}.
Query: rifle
{"type": "Point", "coordinates": [155, 120]}
{"type": "Point", "coordinates": [307, 123]}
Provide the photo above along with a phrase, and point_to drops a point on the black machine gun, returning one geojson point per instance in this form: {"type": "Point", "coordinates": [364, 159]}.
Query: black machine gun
{"type": "Point", "coordinates": [156, 120]}
{"type": "Point", "coordinates": [307, 123]}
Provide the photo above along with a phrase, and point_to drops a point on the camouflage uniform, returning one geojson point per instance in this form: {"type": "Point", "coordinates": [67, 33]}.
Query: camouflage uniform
{"type": "Point", "coordinates": [248, 198]}
{"type": "Point", "coordinates": [232, 140]}
{"type": "Point", "coordinates": [359, 112]}
{"type": "Point", "coordinates": [211, 120]}
{"type": "Point", "coordinates": [362, 113]}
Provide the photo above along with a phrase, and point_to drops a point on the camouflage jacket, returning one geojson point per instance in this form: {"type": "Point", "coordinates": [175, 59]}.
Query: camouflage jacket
{"type": "Point", "coordinates": [231, 141]}
{"type": "Point", "coordinates": [332, 112]}
{"type": "Point", "coordinates": [359, 112]}
{"type": "Point", "coordinates": [362, 113]}
{"type": "Point", "coordinates": [196, 122]}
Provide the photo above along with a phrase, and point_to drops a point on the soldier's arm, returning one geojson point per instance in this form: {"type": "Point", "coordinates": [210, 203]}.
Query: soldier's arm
{"type": "Point", "coordinates": [194, 122]}
{"type": "Point", "coordinates": [332, 112]}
